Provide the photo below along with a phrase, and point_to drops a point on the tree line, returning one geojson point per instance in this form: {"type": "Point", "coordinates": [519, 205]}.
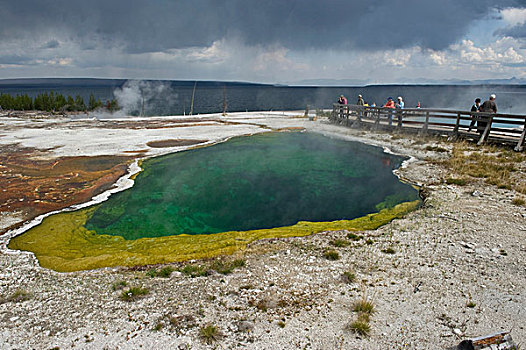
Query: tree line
{"type": "Point", "coordinates": [51, 102]}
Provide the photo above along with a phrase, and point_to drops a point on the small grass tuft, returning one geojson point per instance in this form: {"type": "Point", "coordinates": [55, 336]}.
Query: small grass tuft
{"type": "Point", "coordinates": [118, 285]}
{"type": "Point", "coordinates": [435, 149]}
{"type": "Point", "coordinates": [210, 334]}
{"type": "Point", "coordinates": [363, 306]}
{"type": "Point", "coordinates": [471, 304]}
{"type": "Point", "coordinates": [165, 272]}
{"type": "Point", "coordinates": [331, 254]}
{"type": "Point", "coordinates": [389, 250]}
{"type": "Point", "coordinates": [18, 296]}
{"type": "Point", "coordinates": [194, 270]}
{"type": "Point", "coordinates": [518, 201]}
{"type": "Point", "coordinates": [281, 324]}
{"type": "Point", "coordinates": [360, 327]}
{"type": "Point", "coordinates": [340, 243]}
{"type": "Point", "coordinates": [133, 293]}
{"type": "Point", "coordinates": [354, 236]}
{"type": "Point", "coordinates": [369, 242]}
{"type": "Point", "coordinates": [454, 181]}
{"type": "Point", "coordinates": [348, 277]}
{"type": "Point", "coordinates": [227, 267]}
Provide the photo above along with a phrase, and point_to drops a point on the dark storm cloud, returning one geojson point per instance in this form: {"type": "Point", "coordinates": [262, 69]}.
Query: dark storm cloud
{"type": "Point", "coordinates": [518, 31]}
{"type": "Point", "coordinates": [52, 44]}
{"type": "Point", "coordinates": [145, 26]}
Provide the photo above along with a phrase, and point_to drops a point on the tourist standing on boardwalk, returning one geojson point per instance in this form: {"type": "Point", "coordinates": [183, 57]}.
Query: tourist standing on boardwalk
{"type": "Point", "coordinates": [400, 103]}
{"type": "Point", "coordinates": [342, 100]}
{"type": "Point", "coordinates": [360, 101]}
{"type": "Point", "coordinates": [488, 106]}
{"type": "Point", "coordinates": [475, 108]}
{"type": "Point", "coordinates": [390, 104]}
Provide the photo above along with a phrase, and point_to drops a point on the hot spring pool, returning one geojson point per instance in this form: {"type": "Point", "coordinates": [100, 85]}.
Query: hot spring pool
{"type": "Point", "coordinates": [214, 200]}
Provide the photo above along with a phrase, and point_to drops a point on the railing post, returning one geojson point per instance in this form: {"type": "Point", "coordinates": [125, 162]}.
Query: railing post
{"type": "Point", "coordinates": [399, 115]}
{"type": "Point", "coordinates": [426, 124]}
{"type": "Point", "coordinates": [457, 124]}
{"type": "Point", "coordinates": [520, 144]}
{"type": "Point", "coordinates": [377, 121]}
{"type": "Point", "coordinates": [485, 134]}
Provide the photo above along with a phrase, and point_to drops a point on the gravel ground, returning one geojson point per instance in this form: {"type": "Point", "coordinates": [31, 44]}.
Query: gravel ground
{"type": "Point", "coordinates": [451, 270]}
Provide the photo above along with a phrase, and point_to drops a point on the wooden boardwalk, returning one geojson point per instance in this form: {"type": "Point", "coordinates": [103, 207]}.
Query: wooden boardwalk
{"type": "Point", "coordinates": [504, 128]}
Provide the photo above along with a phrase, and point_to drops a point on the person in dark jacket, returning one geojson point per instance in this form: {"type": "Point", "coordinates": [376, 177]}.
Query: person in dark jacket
{"type": "Point", "coordinates": [475, 108]}
{"type": "Point", "coordinates": [360, 101]}
{"type": "Point", "coordinates": [488, 106]}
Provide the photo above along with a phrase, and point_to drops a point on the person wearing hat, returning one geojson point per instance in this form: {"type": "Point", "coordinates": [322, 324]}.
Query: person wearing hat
{"type": "Point", "coordinates": [400, 103]}
{"type": "Point", "coordinates": [360, 101]}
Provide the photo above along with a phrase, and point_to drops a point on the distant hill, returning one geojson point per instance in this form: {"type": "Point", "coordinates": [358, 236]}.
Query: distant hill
{"type": "Point", "coordinates": [418, 81]}
{"type": "Point", "coordinates": [95, 82]}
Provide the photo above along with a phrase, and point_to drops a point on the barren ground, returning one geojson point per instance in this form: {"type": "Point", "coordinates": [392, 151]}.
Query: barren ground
{"type": "Point", "coordinates": [451, 270]}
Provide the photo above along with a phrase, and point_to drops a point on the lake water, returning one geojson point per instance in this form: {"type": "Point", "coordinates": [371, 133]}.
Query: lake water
{"type": "Point", "coordinates": [263, 181]}
{"type": "Point", "coordinates": [174, 97]}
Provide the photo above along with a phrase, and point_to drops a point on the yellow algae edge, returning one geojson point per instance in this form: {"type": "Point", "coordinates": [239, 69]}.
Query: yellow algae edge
{"type": "Point", "coordinates": [63, 244]}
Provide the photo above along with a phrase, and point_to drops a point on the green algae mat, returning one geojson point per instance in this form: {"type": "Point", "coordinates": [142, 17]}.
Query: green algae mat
{"type": "Point", "coordinates": [215, 200]}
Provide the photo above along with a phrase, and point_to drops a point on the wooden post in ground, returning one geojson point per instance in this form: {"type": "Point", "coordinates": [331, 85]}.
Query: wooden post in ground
{"type": "Point", "coordinates": [520, 144]}
{"type": "Point", "coordinates": [457, 124]}
{"type": "Point", "coordinates": [426, 124]}
{"type": "Point", "coordinates": [399, 116]}
{"type": "Point", "coordinates": [377, 121]}
{"type": "Point", "coordinates": [485, 134]}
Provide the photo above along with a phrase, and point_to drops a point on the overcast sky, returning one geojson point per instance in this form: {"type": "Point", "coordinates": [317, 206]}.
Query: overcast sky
{"type": "Point", "coordinates": [379, 41]}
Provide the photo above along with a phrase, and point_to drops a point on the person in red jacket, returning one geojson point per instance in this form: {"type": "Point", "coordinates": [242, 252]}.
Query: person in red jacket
{"type": "Point", "coordinates": [390, 104]}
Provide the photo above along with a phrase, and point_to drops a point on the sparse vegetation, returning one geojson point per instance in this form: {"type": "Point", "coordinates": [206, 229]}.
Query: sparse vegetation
{"type": "Point", "coordinates": [348, 277]}
{"type": "Point", "coordinates": [435, 149]}
{"type": "Point", "coordinates": [194, 270]}
{"type": "Point", "coordinates": [517, 201]}
{"type": "Point", "coordinates": [281, 324]}
{"type": "Point", "coordinates": [133, 293]}
{"type": "Point", "coordinates": [331, 254]}
{"type": "Point", "coordinates": [360, 327]}
{"type": "Point", "coordinates": [354, 236]}
{"type": "Point", "coordinates": [340, 243]}
{"type": "Point", "coordinates": [210, 334]}
{"type": "Point", "coordinates": [18, 296]}
{"type": "Point", "coordinates": [389, 250]}
{"type": "Point", "coordinates": [365, 309]}
{"type": "Point", "coordinates": [471, 304]}
{"type": "Point", "coordinates": [363, 306]}
{"type": "Point", "coordinates": [118, 285]}
{"type": "Point", "coordinates": [165, 272]}
{"type": "Point", "coordinates": [227, 267]}
{"type": "Point", "coordinates": [455, 181]}
{"type": "Point", "coordinates": [495, 165]}
{"type": "Point", "coordinates": [221, 266]}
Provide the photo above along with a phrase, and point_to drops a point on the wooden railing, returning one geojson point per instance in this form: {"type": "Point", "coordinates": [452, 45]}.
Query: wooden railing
{"type": "Point", "coordinates": [508, 128]}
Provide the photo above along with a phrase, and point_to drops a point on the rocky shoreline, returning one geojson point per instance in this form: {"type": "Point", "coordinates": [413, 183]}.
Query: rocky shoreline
{"type": "Point", "coordinates": [451, 270]}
